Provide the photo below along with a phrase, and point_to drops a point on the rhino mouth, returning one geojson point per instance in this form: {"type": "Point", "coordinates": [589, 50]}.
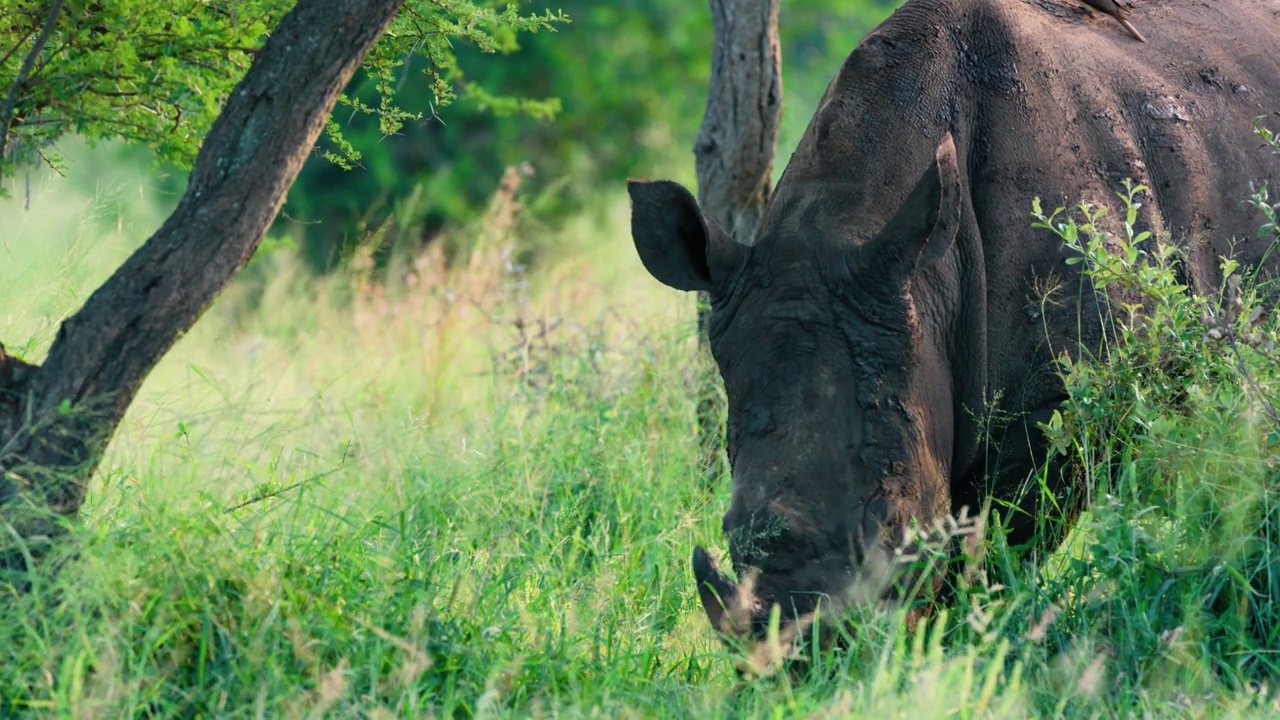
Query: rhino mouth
{"type": "Point", "coordinates": [742, 612]}
{"type": "Point", "coordinates": [883, 577]}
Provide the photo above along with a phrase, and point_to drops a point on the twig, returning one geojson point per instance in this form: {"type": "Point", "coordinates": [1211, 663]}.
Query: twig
{"type": "Point", "coordinates": [49, 162]}
{"type": "Point", "coordinates": [6, 112]}
{"type": "Point", "coordinates": [283, 490]}
{"type": "Point", "coordinates": [1267, 408]}
{"type": "Point", "coordinates": [293, 486]}
{"type": "Point", "coordinates": [416, 653]}
{"type": "Point", "coordinates": [16, 45]}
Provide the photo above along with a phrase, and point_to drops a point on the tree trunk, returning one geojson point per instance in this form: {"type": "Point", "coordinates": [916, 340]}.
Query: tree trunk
{"type": "Point", "coordinates": [56, 419]}
{"type": "Point", "coordinates": [734, 153]}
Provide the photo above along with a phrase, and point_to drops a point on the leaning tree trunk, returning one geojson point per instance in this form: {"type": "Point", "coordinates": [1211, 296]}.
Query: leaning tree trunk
{"type": "Point", "coordinates": [734, 153]}
{"type": "Point", "coordinates": [56, 419]}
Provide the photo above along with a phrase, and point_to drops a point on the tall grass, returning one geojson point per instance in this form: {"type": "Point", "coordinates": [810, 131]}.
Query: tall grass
{"type": "Point", "coordinates": [470, 489]}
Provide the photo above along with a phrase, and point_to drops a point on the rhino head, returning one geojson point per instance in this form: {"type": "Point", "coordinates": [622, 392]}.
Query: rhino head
{"type": "Point", "coordinates": [833, 341]}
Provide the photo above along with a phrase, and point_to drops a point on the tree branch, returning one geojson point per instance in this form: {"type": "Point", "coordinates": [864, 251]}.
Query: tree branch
{"type": "Point", "coordinates": [74, 402]}
{"type": "Point", "coordinates": [739, 129]}
{"type": "Point", "coordinates": [16, 47]}
{"type": "Point", "coordinates": [6, 111]}
{"type": "Point", "coordinates": [734, 152]}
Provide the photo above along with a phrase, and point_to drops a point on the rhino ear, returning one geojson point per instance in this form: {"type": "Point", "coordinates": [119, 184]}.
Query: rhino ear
{"type": "Point", "coordinates": [926, 224]}
{"type": "Point", "coordinates": [679, 245]}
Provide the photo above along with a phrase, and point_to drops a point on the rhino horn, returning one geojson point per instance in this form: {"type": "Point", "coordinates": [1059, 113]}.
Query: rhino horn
{"type": "Point", "coordinates": [715, 589]}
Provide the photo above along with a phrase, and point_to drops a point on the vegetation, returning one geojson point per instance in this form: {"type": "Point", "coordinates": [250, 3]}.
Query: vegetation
{"type": "Point", "coordinates": [486, 510]}
{"type": "Point", "coordinates": [469, 487]}
{"type": "Point", "coordinates": [158, 74]}
{"type": "Point", "coordinates": [58, 416]}
{"type": "Point", "coordinates": [433, 122]}
{"type": "Point", "coordinates": [629, 80]}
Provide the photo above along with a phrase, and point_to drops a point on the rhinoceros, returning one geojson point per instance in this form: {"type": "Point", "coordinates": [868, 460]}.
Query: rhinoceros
{"type": "Point", "coordinates": [890, 299]}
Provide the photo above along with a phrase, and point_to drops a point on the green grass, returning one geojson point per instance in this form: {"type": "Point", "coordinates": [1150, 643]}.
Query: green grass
{"type": "Point", "coordinates": [475, 493]}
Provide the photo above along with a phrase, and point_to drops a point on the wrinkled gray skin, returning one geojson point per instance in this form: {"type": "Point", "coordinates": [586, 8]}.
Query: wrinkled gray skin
{"type": "Point", "coordinates": [890, 299]}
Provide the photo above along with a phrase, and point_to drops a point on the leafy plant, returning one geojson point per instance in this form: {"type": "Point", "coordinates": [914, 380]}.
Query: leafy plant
{"type": "Point", "coordinates": [158, 73]}
{"type": "Point", "coordinates": [1175, 429]}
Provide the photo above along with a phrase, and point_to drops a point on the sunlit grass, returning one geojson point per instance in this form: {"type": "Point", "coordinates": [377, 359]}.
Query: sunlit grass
{"type": "Point", "coordinates": [472, 490]}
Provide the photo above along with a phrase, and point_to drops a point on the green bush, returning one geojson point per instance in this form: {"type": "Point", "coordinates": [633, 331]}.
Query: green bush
{"type": "Point", "coordinates": [1175, 428]}
{"type": "Point", "coordinates": [156, 74]}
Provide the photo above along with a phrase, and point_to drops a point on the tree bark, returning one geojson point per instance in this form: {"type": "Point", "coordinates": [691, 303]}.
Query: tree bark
{"type": "Point", "coordinates": [56, 419]}
{"type": "Point", "coordinates": [739, 132]}
{"type": "Point", "coordinates": [734, 151]}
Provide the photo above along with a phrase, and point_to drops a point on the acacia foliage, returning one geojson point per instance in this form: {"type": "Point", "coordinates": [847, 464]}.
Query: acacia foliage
{"type": "Point", "coordinates": [630, 78]}
{"type": "Point", "coordinates": [158, 73]}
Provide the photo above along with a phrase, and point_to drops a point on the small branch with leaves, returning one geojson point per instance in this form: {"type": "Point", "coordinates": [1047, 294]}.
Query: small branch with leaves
{"type": "Point", "coordinates": [10, 101]}
{"type": "Point", "coordinates": [1232, 326]}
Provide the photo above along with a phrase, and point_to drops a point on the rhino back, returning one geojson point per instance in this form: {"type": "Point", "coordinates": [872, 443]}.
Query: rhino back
{"type": "Point", "coordinates": [1046, 101]}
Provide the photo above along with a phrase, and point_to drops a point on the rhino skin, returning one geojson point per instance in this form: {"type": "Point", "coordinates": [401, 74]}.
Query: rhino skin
{"type": "Point", "coordinates": [888, 301]}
